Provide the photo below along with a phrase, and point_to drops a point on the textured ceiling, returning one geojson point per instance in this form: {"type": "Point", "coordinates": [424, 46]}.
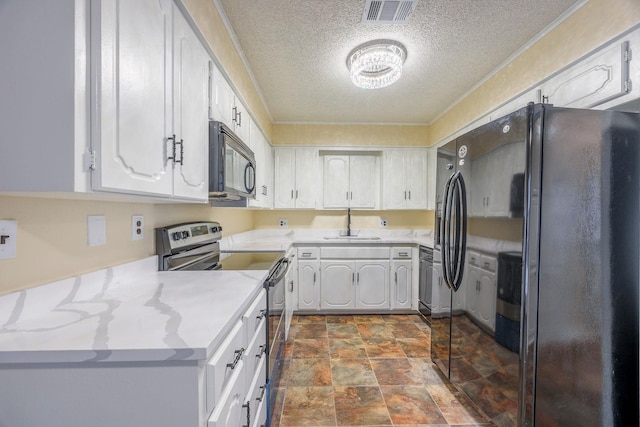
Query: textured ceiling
{"type": "Point", "coordinates": [297, 50]}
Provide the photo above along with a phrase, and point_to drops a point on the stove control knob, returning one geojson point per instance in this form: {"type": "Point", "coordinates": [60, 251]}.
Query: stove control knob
{"type": "Point", "coordinates": [185, 234]}
{"type": "Point", "coordinates": [214, 229]}
{"type": "Point", "coordinates": [220, 228]}
{"type": "Point", "coordinates": [176, 236]}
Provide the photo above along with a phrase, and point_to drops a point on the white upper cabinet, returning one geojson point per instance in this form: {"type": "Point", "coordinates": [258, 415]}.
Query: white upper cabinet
{"type": "Point", "coordinates": [350, 181]}
{"type": "Point", "coordinates": [599, 78]}
{"type": "Point", "coordinates": [190, 106]}
{"type": "Point", "coordinates": [150, 119]}
{"type": "Point", "coordinates": [227, 108]}
{"type": "Point", "coordinates": [296, 178]}
{"type": "Point", "coordinates": [404, 179]}
{"type": "Point", "coordinates": [264, 168]}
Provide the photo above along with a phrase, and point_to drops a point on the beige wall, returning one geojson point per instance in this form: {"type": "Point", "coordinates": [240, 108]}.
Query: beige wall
{"type": "Point", "coordinates": [360, 219]}
{"type": "Point", "coordinates": [52, 235]}
{"type": "Point", "coordinates": [350, 135]}
{"type": "Point", "coordinates": [212, 27]}
{"type": "Point", "coordinates": [591, 26]}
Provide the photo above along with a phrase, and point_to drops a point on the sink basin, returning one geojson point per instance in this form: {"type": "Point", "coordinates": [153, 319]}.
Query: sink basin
{"type": "Point", "coordinates": [351, 238]}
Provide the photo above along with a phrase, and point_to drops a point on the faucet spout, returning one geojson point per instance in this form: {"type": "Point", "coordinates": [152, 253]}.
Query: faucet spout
{"type": "Point", "coordinates": [349, 222]}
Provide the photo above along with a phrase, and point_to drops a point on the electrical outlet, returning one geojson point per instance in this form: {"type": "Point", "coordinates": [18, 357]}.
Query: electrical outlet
{"type": "Point", "coordinates": [284, 223]}
{"type": "Point", "coordinates": [8, 234]}
{"type": "Point", "coordinates": [96, 230]}
{"type": "Point", "coordinates": [137, 227]}
{"type": "Point", "coordinates": [383, 223]}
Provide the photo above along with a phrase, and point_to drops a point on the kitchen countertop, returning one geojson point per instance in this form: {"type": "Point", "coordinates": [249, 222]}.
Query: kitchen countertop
{"type": "Point", "coordinates": [283, 239]}
{"type": "Point", "coordinates": [128, 313]}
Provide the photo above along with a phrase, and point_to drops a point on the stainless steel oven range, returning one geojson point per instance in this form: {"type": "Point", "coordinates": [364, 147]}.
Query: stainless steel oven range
{"type": "Point", "coordinates": [196, 246]}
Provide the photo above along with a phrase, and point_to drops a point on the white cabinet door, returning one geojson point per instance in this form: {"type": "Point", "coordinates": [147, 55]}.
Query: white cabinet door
{"type": "Point", "coordinates": [336, 181]}
{"type": "Point", "coordinates": [363, 182]}
{"type": "Point", "coordinates": [416, 175]}
{"type": "Point", "coordinates": [223, 100]}
{"type": "Point", "coordinates": [132, 121]}
{"type": "Point", "coordinates": [337, 280]}
{"type": "Point", "coordinates": [401, 285]}
{"type": "Point", "coordinates": [307, 178]}
{"type": "Point", "coordinates": [350, 181]}
{"type": "Point", "coordinates": [190, 111]}
{"type": "Point", "coordinates": [285, 178]}
{"type": "Point", "coordinates": [393, 180]}
{"type": "Point", "coordinates": [487, 299]}
{"type": "Point", "coordinates": [600, 78]}
{"type": "Point", "coordinates": [268, 168]}
{"type": "Point", "coordinates": [372, 284]}
{"type": "Point", "coordinates": [473, 289]}
{"type": "Point", "coordinates": [308, 289]}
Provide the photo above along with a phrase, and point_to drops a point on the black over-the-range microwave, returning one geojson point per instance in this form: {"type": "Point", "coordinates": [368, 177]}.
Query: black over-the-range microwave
{"type": "Point", "coordinates": [232, 165]}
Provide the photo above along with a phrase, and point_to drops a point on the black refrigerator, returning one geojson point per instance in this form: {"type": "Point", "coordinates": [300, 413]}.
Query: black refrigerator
{"type": "Point", "coordinates": [560, 188]}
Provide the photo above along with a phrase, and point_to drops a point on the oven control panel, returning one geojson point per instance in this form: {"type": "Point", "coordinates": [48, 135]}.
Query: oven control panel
{"type": "Point", "coordinates": [176, 237]}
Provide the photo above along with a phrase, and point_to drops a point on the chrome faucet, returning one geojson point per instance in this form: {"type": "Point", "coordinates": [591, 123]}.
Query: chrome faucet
{"type": "Point", "coordinates": [348, 222]}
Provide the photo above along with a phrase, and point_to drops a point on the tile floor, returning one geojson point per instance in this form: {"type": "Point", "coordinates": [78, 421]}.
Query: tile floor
{"type": "Point", "coordinates": [372, 370]}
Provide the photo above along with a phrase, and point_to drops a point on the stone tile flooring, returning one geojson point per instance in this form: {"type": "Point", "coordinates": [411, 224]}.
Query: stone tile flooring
{"type": "Point", "coordinates": [372, 370]}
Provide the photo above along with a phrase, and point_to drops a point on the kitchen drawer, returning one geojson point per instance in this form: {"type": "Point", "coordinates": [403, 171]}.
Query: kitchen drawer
{"type": "Point", "coordinates": [308, 253]}
{"type": "Point", "coordinates": [488, 263]}
{"type": "Point", "coordinates": [401, 253]}
{"type": "Point", "coordinates": [474, 258]}
{"type": "Point", "coordinates": [229, 411]}
{"type": "Point", "coordinates": [254, 314]}
{"type": "Point", "coordinates": [257, 392]}
{"type": "Point", "coordinates": [255, 350]}
{"type": "Point", "coordinates": [224, 364]}
{"type": "Point", "coordinates": [341, 252]}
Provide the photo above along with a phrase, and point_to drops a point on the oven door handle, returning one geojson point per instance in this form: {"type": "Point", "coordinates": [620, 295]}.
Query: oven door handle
{"type": "Point", "coordinates": [279, 271]}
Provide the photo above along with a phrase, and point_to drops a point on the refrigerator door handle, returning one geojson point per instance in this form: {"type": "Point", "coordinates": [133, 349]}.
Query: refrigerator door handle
{"type": "Point", "coordinates": [446, 230]}
{"type": "Point", "coordinates": [460, 245]}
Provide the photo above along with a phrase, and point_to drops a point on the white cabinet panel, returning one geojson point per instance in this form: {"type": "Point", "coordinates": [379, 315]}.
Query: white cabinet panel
{"type": "Point", "coordinates": [134, 77]}
{"type": "Point", "coordinates": [350, 180]}
{"type": "Point", "coordinates": [480, 288]}
{"type": "Point", "coordinates": [336, 284]}
{"type": "Point", "coordinates": [190, 112]}
{"type": "Point", "coordinates": [597, 79]}
{"type": "Point", "coordinates": [372, 284]}
{"type": "Point", "coordinates": [150, 119]}
{"type": "Point", "coordinates": [296, 178]}
{"type": "Point", "coordinates": [402, 285]}
{"type": "Point", "coordinates": [404, 179]}
{"type": "Point", "coordinates": [308, 287]}
{"type": "Point", "coordinates": [229, 411]}
{"type": "Point", "coordinates": [264, 168]}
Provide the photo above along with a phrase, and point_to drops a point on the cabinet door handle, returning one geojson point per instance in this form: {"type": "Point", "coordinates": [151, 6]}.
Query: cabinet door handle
{"type": "Point", "coordinates": [261, 350]}
{"type": "Point", "coordinates": [248, 407]}
{"type": "Point", "coordinates": [173, 150]}
{"type": "Point", "coordinates": [262, 315]}
{"type": "Point", "coordinates": [409, 194]}
{"type": "Point", "coordinates": [296, 194]}
{"type": "Point", "coordinates": [396, 277]}
{"type": "Point", "coordinates": [314, 277]}
{"type": "Point", "coordinates": [351, 195]}
{"type": "Point", "coordinates": [347, 195]}
{"type": "Point", "coordinates": [405, 195]}
{"type": "Point", "coordinates": [358, 277]}
{"type": "Point", "coordinates": [353, 277]}
{"type": "Point", "coordinates": [240, 121]}
{"type": "Point", "coordinates": [234, 113]}
{"type": "Point", "coordinates": [262, 390]}
{"type": "Point", "coordinates": [292, 194]}
{"type": "Point", "coordinates": [291, 286]}
{"type": "Point", "coordinates": [238, 354]}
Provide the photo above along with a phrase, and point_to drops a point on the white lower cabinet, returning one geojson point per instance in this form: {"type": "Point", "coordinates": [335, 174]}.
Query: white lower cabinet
{"type": "Point", "coordinates": [481, 283]}
{"type": "Point", "coordinates": [401, 284]}
{"type": "Point", "coordinates": [337, 284]}
{"type": "Point", "coordinates": [229, 411]}
{"type": "Point", "coordinates": [372, 284]}
{"type": "Point", "coordinates": [308, 279]}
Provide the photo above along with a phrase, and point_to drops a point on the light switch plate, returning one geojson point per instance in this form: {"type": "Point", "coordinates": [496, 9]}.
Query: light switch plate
{"type": "Point", "coordinates": [137, 227]}
{"type": "Point", "coordinates": [96, 230]}
{"type": "Point", "coordinates": [8, 237]}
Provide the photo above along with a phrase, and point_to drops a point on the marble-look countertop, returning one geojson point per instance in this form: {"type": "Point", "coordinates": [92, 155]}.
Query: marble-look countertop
{"type": "Point", "coordinates": [129, 312]}
{"type": "Point", "coordinates": [283, 239]}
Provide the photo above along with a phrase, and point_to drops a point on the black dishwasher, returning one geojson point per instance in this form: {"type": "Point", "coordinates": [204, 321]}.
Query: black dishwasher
{"type": "Point", "coordinates": [425, 283]}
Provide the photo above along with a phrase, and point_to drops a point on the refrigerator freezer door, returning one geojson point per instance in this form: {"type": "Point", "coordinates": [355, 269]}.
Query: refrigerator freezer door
{"type": "Point", "coordinates": [587, 331]}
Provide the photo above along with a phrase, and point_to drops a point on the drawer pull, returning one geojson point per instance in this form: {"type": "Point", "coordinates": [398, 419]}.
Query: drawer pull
{"type": "Point", "coordinates": [238, 354]}
{"type": "Point", "coordinates": [262, 315]}
{"type": "Point", "coordinates": [263, 389]}
{"type": "Point", "coordinates": [486, 265]}
{"type": "Point", "coordinates": [306, 254]}
{"type": "Point", "coordinates": [403, 254]}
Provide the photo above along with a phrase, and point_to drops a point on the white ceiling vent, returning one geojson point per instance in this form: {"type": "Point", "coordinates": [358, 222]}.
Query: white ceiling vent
{"type": "Point", "coordinates": [388, 11]}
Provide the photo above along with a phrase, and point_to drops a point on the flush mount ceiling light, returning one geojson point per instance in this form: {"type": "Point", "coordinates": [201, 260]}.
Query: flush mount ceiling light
{"type": "Point", "coordinates": [376, 64]}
